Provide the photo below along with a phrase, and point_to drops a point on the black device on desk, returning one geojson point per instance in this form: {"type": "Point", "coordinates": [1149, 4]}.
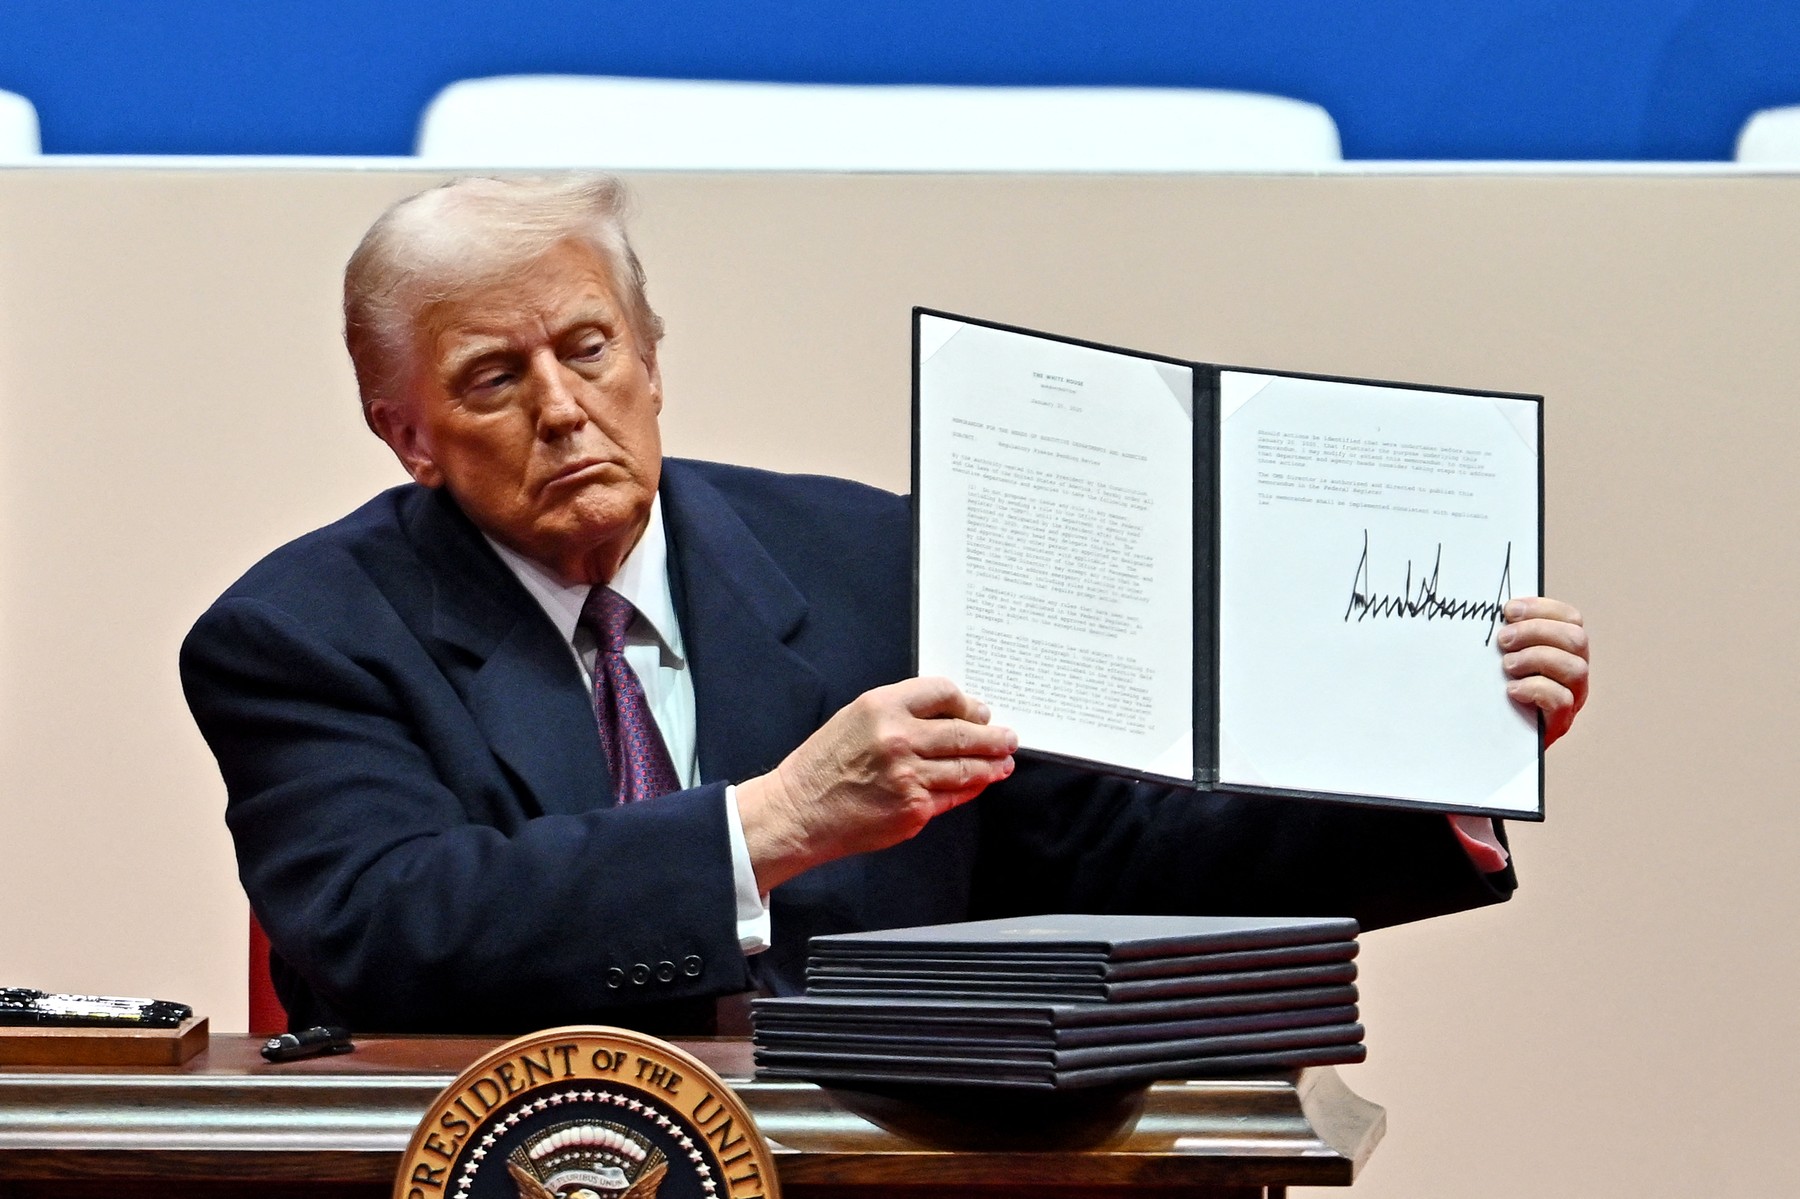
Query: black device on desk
{"type": "Point", "coordinates": [308, 1042]}
{"type": "Point", "coordinates": [23, 1006]}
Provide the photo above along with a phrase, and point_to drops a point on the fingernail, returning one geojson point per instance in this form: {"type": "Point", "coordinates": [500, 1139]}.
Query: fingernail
{"type": "Point", "coordinates": [1515, 609]}
{"type": "Point", "coordinates": [982, 714]}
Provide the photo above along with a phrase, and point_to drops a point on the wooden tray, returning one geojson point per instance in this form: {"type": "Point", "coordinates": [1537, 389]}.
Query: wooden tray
{"type": "Point", "coordinates": [37, 1046]}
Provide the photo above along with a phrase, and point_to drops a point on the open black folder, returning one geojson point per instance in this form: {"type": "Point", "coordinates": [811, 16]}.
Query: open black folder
{"type": "Point", "coordinates": [1228, 578]}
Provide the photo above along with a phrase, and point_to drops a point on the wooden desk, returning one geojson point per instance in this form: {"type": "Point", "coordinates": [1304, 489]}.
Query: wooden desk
{"type": "Point", "coordinates": [228, 1123]}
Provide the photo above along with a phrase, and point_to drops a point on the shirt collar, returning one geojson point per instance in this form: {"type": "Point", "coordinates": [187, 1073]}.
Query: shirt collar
{"type": "Point", "coordinates": [643, 578]}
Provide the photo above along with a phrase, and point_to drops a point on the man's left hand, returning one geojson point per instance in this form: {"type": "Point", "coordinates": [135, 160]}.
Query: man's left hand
{"type": "Point", "coordinates": [1545, 655]}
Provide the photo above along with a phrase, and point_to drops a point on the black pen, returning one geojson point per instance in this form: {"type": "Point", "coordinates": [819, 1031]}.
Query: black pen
{"type": "Point", "coordinates": [308, 1042]}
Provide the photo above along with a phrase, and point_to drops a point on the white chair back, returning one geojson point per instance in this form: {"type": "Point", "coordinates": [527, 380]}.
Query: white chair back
{"type": "Point", "coordinates": [668, 124]}
{"type": "Point", "coordinates": [18, 129]}
{"type": "Point", "coordinates": [1771, 136]}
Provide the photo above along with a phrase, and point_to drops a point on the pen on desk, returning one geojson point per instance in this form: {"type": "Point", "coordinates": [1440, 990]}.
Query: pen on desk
{"type": "Point", "coordinates": [308, 1042]}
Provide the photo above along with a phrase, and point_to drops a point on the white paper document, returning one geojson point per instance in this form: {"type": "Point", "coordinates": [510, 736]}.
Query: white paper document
{"type": "Point", "coordinates": [1334, 635]}
{"type": "Point", "coordinates": [1368, 538]}
{"type": "Point", "coordinates": [1056, 540]}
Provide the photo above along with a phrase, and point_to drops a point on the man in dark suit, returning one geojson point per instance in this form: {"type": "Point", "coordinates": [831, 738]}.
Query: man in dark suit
{"type": "Point", "coordinates": [440, 833]}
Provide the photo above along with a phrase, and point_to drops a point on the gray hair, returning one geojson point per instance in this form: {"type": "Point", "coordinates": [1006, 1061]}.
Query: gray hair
{"type": "Point", "coordinates": [443, 242]}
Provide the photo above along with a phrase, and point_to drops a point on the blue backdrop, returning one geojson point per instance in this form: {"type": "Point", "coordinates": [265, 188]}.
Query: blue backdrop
{"type": "Point", "coordinates": [1652, 79]}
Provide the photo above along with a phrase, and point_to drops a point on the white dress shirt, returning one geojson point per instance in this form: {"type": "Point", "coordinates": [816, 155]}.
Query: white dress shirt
{"type": "Point", "coordinates": [655, 652]}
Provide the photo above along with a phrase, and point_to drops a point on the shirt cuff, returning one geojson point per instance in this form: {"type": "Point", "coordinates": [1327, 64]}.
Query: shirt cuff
{"type": "Point", "coordinates": [1479, 841]}
{"type": "Point", "coordinates": [752, 910]}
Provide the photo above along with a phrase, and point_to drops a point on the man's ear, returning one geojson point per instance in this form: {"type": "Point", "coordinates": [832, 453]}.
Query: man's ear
{"type": "Point", "coordinates": [655, 371]}
{"type": "Point", "coordinates": [395, 424]}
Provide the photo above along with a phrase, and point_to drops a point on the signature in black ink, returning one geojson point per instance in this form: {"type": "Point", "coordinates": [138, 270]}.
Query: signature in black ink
{"type": "Point", "coordinates": [1426, 604]}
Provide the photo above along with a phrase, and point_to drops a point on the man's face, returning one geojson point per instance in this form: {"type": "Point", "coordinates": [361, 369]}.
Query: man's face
{"type": "Point", "coordinates": [535, 403]}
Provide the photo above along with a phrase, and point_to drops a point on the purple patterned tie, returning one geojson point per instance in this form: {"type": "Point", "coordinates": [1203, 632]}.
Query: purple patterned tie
{"type": "Point", "coordinates": [635, 752]}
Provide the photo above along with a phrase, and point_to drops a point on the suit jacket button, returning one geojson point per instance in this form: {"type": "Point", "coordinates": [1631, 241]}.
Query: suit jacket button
{"type": "Point", "coordinates": [615, 978]}
{"type": "Point", "coordinates": [665, 972]}
{"type": "Point", "coordinates": [640, 974]}
{"type": "Point", "coordinates": [690, 965]}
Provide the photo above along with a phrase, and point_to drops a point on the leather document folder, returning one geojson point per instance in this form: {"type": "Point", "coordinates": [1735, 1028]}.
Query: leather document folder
{"type": "Point", "coordinates": [1073, 967]}
{"type": "Point", "coordinates": [1064, 1023]}
{"type": "Point", "coordinates": [964, 1040]}
{"type": "Point", "coordinates": [1107, 938]}
{"type": "Point", "coordinates": [1047, 1078]}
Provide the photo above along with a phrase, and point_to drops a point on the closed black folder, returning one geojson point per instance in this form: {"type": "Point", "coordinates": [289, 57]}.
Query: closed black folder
{"type": "Point", "coordinates": [916, 987]}
{"type": "Point", "coordinates": [1054, 1002]}
{"type": "Point", "coordinates": [1072, 1059]}
{"type": "Point", "coordinates": [1090, 1023]}
{"type": "Point", "coordinates": [1045, 1079]}
{"type": "Point", "coordinates": [1061, 968]}
{"type": "Point", "coordinates": [1108, 938]}
{"type": "Point", "coordinates": [1128, 1042]}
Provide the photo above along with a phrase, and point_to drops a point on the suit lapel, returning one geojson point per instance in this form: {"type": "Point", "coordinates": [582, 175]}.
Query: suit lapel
{"type": "Point", "coordinates": [525, 692]}
{"type": "Point", "coordinates": [755, 697]}
{"type": "Point", "coordinates": [550, 739]}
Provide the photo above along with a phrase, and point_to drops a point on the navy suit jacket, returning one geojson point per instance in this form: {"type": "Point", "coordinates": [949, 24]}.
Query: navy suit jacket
{"type": "Point", "coordinates": [425, 824]}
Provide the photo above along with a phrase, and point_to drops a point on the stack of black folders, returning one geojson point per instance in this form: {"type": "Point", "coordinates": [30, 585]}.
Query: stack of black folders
{"type": "Point", "coordinates": [1056, 1003]}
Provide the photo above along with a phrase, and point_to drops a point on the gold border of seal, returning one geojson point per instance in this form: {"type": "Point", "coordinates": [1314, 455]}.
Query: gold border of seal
{"type": "Point", "coordinates": [672, 1080]}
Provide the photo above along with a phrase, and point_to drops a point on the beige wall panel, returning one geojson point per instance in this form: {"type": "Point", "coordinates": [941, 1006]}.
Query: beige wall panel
{"type": "Point", "coordinates": [173, 403]}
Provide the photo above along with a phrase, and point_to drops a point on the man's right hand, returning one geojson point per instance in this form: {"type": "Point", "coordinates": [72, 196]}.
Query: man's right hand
{"type": "Point", "coordinates": [874, 775]}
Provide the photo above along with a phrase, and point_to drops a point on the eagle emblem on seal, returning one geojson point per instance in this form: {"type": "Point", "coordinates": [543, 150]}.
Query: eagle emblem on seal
{"type": "Point", "coordinates": [587, 1159]}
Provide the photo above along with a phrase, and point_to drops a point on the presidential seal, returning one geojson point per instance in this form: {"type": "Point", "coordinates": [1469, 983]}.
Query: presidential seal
{"type": "Point", "coordinates": [587, 1113]}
